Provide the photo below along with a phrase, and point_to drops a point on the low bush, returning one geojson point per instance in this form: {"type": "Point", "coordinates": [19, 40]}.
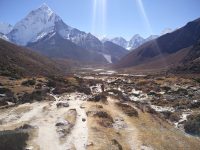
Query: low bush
{"type": "Point", "coordinates": [29, 82]}
{"type": "Point", "coordinates": [106, 119]}
{"type": "Point", "coordinates": [197, 80]}
{"type": "Point", "coordinates": [127, 109]}
{"type": "Point", "coordinates": [192, 125]}
{"type": "Point", "coordinates": [13, 140]}
{"type": "Point", "coordinates": [37, 95]}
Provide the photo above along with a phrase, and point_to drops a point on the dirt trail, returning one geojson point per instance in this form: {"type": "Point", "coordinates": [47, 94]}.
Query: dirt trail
{"type": "Point", "coordinates": [44, 116]}
{"type": "Point", "coordinates": [79, 134]}
{"type": "Point", "coordinates": [77, 138]}
{"type": "Point", "coordinates": [122, 130]}
{"type": "Point", "coordinates": [130, 131]}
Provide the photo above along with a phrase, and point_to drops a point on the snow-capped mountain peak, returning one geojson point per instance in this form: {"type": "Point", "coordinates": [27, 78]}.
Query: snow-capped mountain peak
{"type": "Point", "coordinates": [46, 8]}
{"type": "Point", "coordinates": [135, 41]}
{"type": "Point", "coordinates": [119, 41]}
{"type": "Point", "coordinates": [39, 20]}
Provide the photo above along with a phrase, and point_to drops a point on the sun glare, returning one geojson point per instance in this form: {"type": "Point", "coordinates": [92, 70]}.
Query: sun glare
{"type": "Point", "coordinates": [99, 16]}
{"type": "Point", "coordinates": [144, 15]}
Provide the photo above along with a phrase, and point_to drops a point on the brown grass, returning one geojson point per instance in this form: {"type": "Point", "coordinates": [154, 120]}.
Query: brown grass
{"type": "Point", "coordinates": [127, 109]}
{"type": "Point", "coordinates": [104, 137]}
{"type": "Point", "coordinates": [161, 135]}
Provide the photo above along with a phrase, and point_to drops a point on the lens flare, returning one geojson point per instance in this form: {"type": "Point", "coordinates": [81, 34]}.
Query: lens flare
{"type": "Point", "coordinates": [99, 16]}
{"type": "Point", "coordinates": [144, 15]}
{"type": "Point", "coordinates": [149, 28]}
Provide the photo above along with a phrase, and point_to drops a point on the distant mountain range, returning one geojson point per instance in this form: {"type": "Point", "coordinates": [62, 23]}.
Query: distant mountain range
{"type": "Point", "coordinates": [42, 25]}
{"type": "Point", "coordinates": [133, 43]}
{"type": "Point", "coordinates": [136, 40]}
{"type": "Point", "coordinates": [167, 51]}
{"type": "Point", "coordinates": [43, 31]}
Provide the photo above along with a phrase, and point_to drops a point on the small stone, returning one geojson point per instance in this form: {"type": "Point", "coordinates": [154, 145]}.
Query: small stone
{"type": "Point", "coordinates": [90, 144]}
{"type": "Point", "coordinates": [82, 107]}
{"type": "Point", "coordinates": [29, 148]}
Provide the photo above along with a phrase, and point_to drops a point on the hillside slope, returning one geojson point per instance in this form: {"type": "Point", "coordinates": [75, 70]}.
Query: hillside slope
{"type": "Point", "coordinates": [55, 46]}
{"type": "Point", "coordinates": [16, 60]}
{"type": "Point", "coordinates": [165, 45]}
{"type": "Point", "coordinates": [191, 63]}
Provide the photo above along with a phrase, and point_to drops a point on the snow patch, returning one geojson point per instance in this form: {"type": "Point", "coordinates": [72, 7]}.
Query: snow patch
{"type": "Point", "coordinates": [107, 57]}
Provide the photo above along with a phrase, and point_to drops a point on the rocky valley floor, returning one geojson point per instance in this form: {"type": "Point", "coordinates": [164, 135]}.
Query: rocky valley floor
{"type": "Point", "coordinates": [100, 110]}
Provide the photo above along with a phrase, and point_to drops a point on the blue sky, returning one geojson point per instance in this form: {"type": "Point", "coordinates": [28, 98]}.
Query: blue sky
{"type": "Point", "coordinates": [117, 18]}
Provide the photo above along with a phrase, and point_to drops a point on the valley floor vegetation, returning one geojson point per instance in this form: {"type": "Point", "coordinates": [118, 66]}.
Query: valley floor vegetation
{"type": "Point", "coordinates": [100, 110]}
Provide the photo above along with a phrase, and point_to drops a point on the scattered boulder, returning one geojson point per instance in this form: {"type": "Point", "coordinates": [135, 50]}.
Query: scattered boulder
{"type": "Point", "coordinates": [99, 98]}
{"type": "Point", "coordinates": [65, 124]}
{"type": "Point", "coordinates": [62, 123]}
{"type": "Point", "coordinates": [25, 127]}
{"type": "Point", "coordinates": [152, 93]}
{"type": "Point", "coordinates": [62, 104]}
